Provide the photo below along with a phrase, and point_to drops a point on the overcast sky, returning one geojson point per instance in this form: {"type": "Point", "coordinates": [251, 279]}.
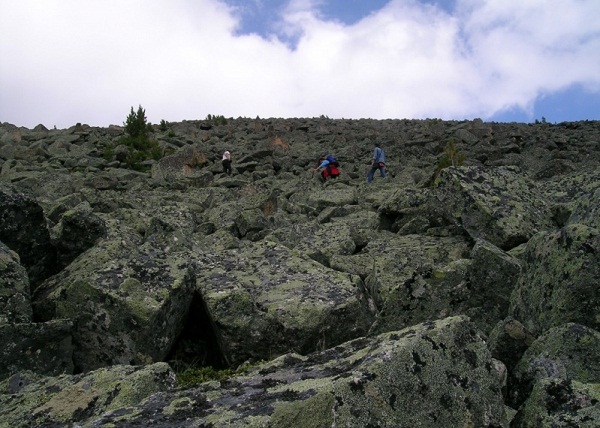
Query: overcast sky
{"type": "Point", "coordinates": [90, 61]}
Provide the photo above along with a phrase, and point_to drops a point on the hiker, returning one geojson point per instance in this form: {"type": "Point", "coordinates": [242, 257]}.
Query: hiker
{"type": "Point", "coordinates": [227, 162]}
{"type": "Point", "coordinates": [378, 163]}
{"type": "Point", "coordinates": [329, 167]}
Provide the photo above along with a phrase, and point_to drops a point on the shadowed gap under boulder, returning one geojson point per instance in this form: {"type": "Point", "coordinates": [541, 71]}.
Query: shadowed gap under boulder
{"type": "Point", "coordinates": [389, 222]}
{"type": "Point", "coordinates": [198, 343]}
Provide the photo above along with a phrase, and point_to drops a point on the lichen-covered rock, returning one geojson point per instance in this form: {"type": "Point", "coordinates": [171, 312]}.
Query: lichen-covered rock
{"type": "Point", "coordinates": [411, 278]}
{"type": "Point", "coordinates": [508, 340]}
{"type": "Point", "coordinates": [320, 242]}
{"type": "Point", "coordinates": [493, 275]}
{"type": "Point", "coordinates": [399, 250]}
{"type": "Point", "coordinates": [184, 163]}
{"type": "Point", "coordinates": [587, 208]}
{"type": "Point", "coordinates": [265, 300]}
{"type": "Point", "coordinates": [559, 281]}
{"type": "Point", "coordinates": [77, 230]}
{"type": "Point", "coordinates": [406, 211]}
{"type": "Point", "coordinates": [500, 205]}
{"type": "Point", "coordinates": [251, 223]}
{"type": "Point", "coordinates": [73, 400]}
{"type": "Point", "coordinates": [430, 375]}
{"type": "Point", "coordinates": [15, 295]}
{"type": "Point", "coordinates": [23, 229]}
{"type": "Point", "coordinates": [128, 297]}
{"type": "Point", "coordinates": [560, 403]}
{"type": "Point", "coordinates": [44, 348]}
{"type": "Point", "coordinates": [570, 352]}
{"type": "Point", "coordinates": [334, 194]}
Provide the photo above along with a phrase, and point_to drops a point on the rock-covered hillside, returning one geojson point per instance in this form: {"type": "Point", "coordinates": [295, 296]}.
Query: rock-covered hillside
{"type": "Point", "coordinates": [461, 297]}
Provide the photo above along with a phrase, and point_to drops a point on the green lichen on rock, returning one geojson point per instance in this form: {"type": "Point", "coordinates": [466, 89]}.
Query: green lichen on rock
{"type": "Point", "coordinates": [269, 300]}
{"type": "Point", "coordinates": [70, 399]}
{"type": "Point", "coordinates": [569, 352]}
{"type": "Point", "coordinates": [559, 282]}
{"type": "Point", "coordinates": [561, 403]}
{"type": "Point", "coordinates": [315, 412]}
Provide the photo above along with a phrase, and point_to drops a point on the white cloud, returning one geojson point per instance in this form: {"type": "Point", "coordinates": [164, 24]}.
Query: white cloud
{"type": "Point", "coordinates": [68, 61]}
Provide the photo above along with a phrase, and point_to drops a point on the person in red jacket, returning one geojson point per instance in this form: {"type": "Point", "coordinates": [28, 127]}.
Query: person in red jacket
{"type": "Point", "coordinates": [329, 167]}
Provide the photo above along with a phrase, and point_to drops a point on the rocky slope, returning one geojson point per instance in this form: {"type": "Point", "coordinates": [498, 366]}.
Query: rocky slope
{"type": "Point", "coordinates": [461, 297]}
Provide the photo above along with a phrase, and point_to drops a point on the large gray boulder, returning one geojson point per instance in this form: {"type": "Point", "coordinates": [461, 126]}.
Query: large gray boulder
{"type": "Point", "coordinates": [500, 205]}
{"type": "Point", "coordinates": [560, 403]}
{"type": "Point", "coordinates": [23, 229]}
{"type": "Point", "coordinates": [77, 230]}
{"type": "Point", "coordinates": [265, 300]}
{"type": "Point", "coordinates": [27, 400]}
{"type": "Point", "coordinates": [430, 375]}
{"type": "Point", "coordinates": [559, 282]}
{"type": "Point", "coordinates": [570, 352]}
{"type": "Point", "coordinates": [587, 210]}
{"type": "Point", "coordinates": [127, 296]}
{"type": "Point", "coordinates": [44, 348]}
{"type": "Point", "coordinates": [411, 278]}
{"type": "Point", "coordinates": [15, 295]}
{"type": "Point", "coordinates": [493, 275]}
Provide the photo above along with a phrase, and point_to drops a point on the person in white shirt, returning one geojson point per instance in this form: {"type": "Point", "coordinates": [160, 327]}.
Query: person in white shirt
{"type": "Point", "coordinates": [227, 162]}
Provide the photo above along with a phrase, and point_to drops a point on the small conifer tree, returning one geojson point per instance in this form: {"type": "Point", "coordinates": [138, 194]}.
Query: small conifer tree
{"type": "Point", "coordinates": [141, 147]}
{"type": "Point", "coordinates": [135, 124]}
{"type": "Point", "coordinates": [451, 157]}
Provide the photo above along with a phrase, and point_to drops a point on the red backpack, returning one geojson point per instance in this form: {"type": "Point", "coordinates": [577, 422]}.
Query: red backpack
{"type": "Point", "coordinates": [330, 171]}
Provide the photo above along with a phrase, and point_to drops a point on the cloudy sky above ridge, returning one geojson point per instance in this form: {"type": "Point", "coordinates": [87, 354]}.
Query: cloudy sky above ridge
{"type": "Point", "coordinates": [90, 61]}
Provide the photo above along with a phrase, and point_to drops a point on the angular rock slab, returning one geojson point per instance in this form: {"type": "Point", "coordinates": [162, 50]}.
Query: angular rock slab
{"type": "Point", "coordinates": [73, 400]}
{"type": "Point", "coordinates": [493, 276]}
{"type": "Point", "coordinates": [560, 403]}
{"type": "Point", "coordinates": [569, 352]}
{"type": "Point", "coordinates": [499, 204]}
{"type": "Point", "coordinates": [436, 374]}
{"type": "Point", "coordinates": [411, 278]}
{"type": "Point", "coordinates": [23, 229]}
{"type": "Point", "coordinates": [265, 300]}
{"type": "Point", "coordinates": [15, 296]}
{"type": "Point", "coordinates": [44, 348]}
{"type": "Point", "coordinates": [128, 300]}
{"type": "Point", "coordinates": [559, 281]}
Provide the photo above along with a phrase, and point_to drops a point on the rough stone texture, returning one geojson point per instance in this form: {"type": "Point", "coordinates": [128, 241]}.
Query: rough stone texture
{"type": "Point", "coordinates": [493, 275]}
{"type": "Point", "coordinates": [508, 341]}
{"type": "Point", "coordinates": [430, 375]}
{"type": "Point", "coordinates": [560, 403]}
{"type": "Point", "coordinates": [15, 296]}
{"type": "Point", "coordinates": [494, 204]}
{"type": "Point", "coordinates": [23, 230]}
{"type": "Point", "coordinates": [588, 210]}
{"type": "Point", "coordinates": [28, 401]}
{"type": "Point", "coordinates": [559, 282]}
{"type": "Point", "coordinates": [265, 301]}
{"type": "Point", "coordinates": [39, 347]}
{"type": "Point", "coordinates": [185, 163]}
{"type": "Point", "coordinates": [128, 299]}
{"type": "Point", "coordinates": [77, 230]}
{"type": "Point", "coordinates": [410, 278]}
{"type": "Point", "coordinates": [570, 352]}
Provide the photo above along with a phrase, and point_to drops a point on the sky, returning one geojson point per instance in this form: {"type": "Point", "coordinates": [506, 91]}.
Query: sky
{"type": "Point", "coordinates": [64, 62]}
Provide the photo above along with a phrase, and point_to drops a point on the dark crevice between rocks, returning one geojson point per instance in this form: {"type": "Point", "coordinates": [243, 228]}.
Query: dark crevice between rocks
{"type": "Point", "coordinates": [358, 248]}
{"type": "Point", "coordinates": [198, 344]}
{"type": "Point", "coordinates": [389, 222]}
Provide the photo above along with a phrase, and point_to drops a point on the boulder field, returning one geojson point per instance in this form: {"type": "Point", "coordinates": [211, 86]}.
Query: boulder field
{"type": "Point", "coordinates": [462, 290]}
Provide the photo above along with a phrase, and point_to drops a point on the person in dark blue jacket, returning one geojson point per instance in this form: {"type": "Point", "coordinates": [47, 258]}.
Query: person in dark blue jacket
{"type": "Point", "coordinates": [378, 163]}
